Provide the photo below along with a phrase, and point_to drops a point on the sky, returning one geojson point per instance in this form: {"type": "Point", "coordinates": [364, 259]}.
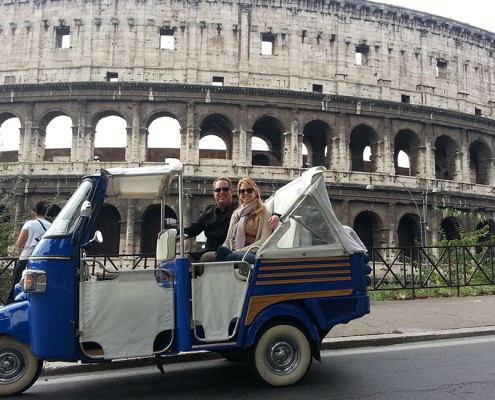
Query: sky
{"type": "Point", "coordinates": [479, 13]}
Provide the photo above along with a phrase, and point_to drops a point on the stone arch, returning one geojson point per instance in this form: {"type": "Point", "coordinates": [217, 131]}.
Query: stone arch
{"type": "Point", "coordinates": [450, 227]}
{"type": "Point", "coordinates": [367, 225]}
{"type": "Point", "coordinates": [361, 137]}
{"type": "Point", "coordinates": [105, 148]}
{"type": "Point", "coordinates": [271, 130]}
{"type": "Point", "coordinates": [480, 162]}
{"type": "Point", "coordinates": [316, 137]}
{"type": "Point", "coordinates": [10, 137]}
{"type": "Point", "coordinates": [220, 126]}
{"type": "Point", "coordinates": [108, 223]}
{"type": "Point", "coordinates": [445, 157]}
{"type": "Point", "coordinates": [58, 138]}
{"type": "Point", "coordinates": [409, 230]}
{"type": "Point", "coordinates": [407, 141]}
{"type": "Point", "coordinates": [151, 226]}
{"type": "Point", "coordinates": [165, 144]}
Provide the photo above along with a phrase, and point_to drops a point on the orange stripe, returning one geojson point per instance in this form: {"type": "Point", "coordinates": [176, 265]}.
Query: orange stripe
{"type": "Point", "coordinates": [259, 303]}
{"type": "Point", "coordinates": [288, 281]}
{"type": "Point", "coordinates": [305, 273]}
{"type": "Point", "coordinates": [281, 267]}
{"type": "Point", "coordinates": [305, 260]}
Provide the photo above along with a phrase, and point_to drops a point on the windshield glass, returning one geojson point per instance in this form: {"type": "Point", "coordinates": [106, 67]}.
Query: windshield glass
{"type": "Point", "coordinates": [66, 220]}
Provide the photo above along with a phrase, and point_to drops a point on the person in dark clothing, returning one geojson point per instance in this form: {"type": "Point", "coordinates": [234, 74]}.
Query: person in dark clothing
{"type": "Point", "coordinates": [213, 220]}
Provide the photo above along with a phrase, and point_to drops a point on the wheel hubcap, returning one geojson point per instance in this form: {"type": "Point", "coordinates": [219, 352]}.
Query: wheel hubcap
{"type": "Point", "coordinates": [283, 357]}
{"type": "Point", "coordinates": [11, 366]}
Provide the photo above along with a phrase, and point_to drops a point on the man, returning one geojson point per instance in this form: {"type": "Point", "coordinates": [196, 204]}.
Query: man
{"type": "Point", "coordinates": [214, 220]}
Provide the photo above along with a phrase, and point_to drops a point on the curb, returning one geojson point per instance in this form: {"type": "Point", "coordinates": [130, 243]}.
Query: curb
{"type": "Point", "coordinates": [347, 342]}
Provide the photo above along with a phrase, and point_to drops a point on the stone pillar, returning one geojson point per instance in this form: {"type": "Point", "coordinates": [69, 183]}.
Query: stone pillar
{"type": "Point", "coordinates": [428, 163]}
{"type": "Point", "coordinates": [463, 170]}
{"type": "Point", "coordinates": [133, 153]}
{"type": "Point", "coordinates": [340, 149]}
{"type": "Point", "coordinates": [25, 134]}
{"type": "Point", "coordinates": [244, 38]}
{"type": "Point", "coordinates": [78, 151]}
{"type": "Point", "coordinates": [129, 227]}
{"type": "Point", "coordinates": [242, 143]}
{"type": "Point", "coordinates": [387, 151]}
{"type": "Point", "coordinates": [189, 149]}
{"type": "Point", "coordinates": [292, 156]}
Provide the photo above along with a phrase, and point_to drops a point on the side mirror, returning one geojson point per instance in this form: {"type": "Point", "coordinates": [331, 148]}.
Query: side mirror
{"type": "Point", "coordinates": [86, 209]}
{"type": "Point", "coordinates": [98, 238]}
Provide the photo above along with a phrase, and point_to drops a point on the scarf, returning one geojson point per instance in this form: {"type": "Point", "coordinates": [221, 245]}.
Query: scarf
{"type": "Point", "coordinates": [239, 232]}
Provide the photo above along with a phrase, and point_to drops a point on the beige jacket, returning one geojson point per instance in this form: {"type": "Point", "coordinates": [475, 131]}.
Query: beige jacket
{"type": "Point", "coordinates": [263, 233]}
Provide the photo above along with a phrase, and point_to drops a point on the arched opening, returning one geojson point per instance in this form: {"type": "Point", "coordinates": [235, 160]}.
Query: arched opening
{"type": "Point", "coordinates": [110, 139]}
{"type": "Point", "coordinates": [58, 140]}
{"type": "Point", "coordinates": [216, 137]}
{"type": "Point", "coordinates": [450, 228]}
{"type": "Point", "coordinates": [480, 163]}
{"type": "Point", "coordinates": [316, 134]}
{"type": "Point", "coordinates": [151, 226]}
{"type": "Point", "coordinates": [164, 139]}
{"type": "Point", "coordinates": [406, 146]}
{"type": "Point", "coordinates": [363, 148]}
{"type": "Point", "coordinates": [366, 224]}
{"type": "Point", "coordinates": [270, 130]}
{"type": "Point", "coordinates": [9, 138]}
{"type": "Point", "coordinates": [108, 223]}
{"type": "Point", "coordinates": [445, 157]}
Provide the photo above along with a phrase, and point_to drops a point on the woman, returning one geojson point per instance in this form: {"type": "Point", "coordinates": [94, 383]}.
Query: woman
{"type": "Point", "coordinates": [248, 225]}
{"type": "Point", "coordinates": [30, 233]}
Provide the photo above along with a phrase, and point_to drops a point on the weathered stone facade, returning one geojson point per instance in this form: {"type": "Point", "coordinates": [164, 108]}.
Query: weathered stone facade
{"type": "Point", "coordinates": [338, 77]}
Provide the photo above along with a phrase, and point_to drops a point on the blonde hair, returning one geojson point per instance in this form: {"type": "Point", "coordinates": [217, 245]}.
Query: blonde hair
{"type": "Point", "coordinates": [260, 207]}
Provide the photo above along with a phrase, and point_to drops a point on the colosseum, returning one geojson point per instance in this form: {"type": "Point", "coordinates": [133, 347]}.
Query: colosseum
{"type": "Point", "coordinates": [398, 105]}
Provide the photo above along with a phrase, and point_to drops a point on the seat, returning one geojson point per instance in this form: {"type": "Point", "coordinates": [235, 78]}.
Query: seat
{"type": "Point", "coordinates": [165, 245]}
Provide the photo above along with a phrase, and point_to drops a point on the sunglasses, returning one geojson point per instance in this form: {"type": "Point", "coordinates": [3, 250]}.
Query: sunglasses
{"type": "Point", "coordinates": [224, 189]}
{"type": "Point", "coordinates": [248, 191]}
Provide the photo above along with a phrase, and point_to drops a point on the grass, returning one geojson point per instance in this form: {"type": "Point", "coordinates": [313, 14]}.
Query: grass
{"type": "Point", "coordinates": [400, 294]}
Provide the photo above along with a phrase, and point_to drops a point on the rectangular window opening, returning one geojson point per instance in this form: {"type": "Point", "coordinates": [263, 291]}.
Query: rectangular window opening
{"type": "Point", "coordinates": [317, 88]}
{"type": "Point", "coordinates": [217, 81]}
{"type": "Point", "coordinates": [405, 99]}
{"type": "Point", "coordinates": [167, 41]}
{"type": "Point", "coordinates": [362, 54]}
{"type": "Point", "coordinates": [477, 111]}
{"type": "Point", "coordinates": [62, 38]}
{"type": "Point", "coordinates": [267, 44]}
{"type": "Point", "coordinates": [441, 68]}
{"type": "Point", "coordinates": [112, 76]}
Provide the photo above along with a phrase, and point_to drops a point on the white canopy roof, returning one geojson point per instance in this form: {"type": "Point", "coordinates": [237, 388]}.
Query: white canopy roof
{"type": "Point", "coordinates": [295, 236]}
{"type": "Point", "coordinates": [142, 182]}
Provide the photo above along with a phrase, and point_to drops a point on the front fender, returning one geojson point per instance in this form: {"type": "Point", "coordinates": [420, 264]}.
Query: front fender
{"type": "Point", "coordinates": [14, 321]}
{"type": "Point", "coordinates": [281, 311]}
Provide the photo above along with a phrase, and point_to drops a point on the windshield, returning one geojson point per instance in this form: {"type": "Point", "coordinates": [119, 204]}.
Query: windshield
{"type": "Point", "coordinates": [66, 220]}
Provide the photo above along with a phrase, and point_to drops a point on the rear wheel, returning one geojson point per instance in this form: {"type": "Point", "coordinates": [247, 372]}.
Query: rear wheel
{"type": "Point", "coordinates": [281, 356]}
{"type": "Point", "coordinates": [19, 369]}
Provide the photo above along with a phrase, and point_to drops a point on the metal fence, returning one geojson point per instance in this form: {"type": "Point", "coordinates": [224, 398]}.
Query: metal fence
{"type": "Point", "coordinates": [393, 268]}
{"type": "Point", "coordinates": [432, 267]}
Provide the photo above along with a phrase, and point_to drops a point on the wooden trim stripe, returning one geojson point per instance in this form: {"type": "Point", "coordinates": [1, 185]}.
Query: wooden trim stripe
{"type": "Point", "coordinates": [312, 270]}
{"type": "Point", "coordinates": [259, 303]}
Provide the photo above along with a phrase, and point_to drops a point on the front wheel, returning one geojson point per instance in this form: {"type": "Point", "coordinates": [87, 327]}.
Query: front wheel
{"type": "Point", "coordinates": [281, 356]}
{"type": "Point", "coordinates": [19, 369]}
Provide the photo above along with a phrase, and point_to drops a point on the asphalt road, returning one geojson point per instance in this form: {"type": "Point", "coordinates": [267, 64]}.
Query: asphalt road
{"type": "Point", "coordinates": [437, 370]}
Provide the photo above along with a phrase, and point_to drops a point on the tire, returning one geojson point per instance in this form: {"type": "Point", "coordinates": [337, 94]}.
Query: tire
{"type": "Point", "coordinates": [19, 369]}
{"type": "Point", "coordinates": [281, 355]}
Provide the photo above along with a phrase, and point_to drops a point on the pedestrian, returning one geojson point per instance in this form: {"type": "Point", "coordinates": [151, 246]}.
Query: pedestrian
{"type": "Point", "coordinates": [30, 234]}
{"type": "Point", "coordinates": [249, 225]}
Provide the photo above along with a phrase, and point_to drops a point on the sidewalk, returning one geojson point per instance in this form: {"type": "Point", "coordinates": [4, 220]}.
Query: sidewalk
{"type": "Point", "coordinates": [389, 322]}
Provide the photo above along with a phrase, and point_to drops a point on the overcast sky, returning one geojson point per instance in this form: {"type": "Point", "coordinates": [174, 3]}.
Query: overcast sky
{"type": "Point", "coordinates": [479, 13]}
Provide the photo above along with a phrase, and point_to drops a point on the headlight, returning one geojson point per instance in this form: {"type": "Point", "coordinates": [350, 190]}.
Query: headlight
{"type": "Point", "coordinates": [33, 281]}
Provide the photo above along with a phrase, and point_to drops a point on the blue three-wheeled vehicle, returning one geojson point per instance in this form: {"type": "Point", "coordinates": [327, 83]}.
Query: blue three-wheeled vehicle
{"type": "Point", "coordinates": [309, 276]}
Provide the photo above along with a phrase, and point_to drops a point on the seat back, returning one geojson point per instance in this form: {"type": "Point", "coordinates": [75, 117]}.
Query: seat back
{"type": "Point", "coordinates": [165, 245]}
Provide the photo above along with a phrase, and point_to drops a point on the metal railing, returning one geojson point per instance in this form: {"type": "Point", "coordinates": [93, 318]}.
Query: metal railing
{"type": "Point", "coordinates": [393, 268]}
{"type": "Point", "coordinates": [432, 267]}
